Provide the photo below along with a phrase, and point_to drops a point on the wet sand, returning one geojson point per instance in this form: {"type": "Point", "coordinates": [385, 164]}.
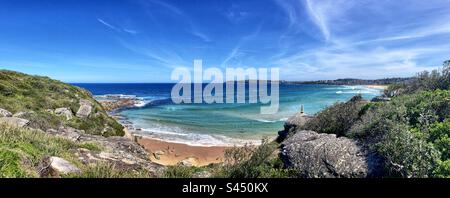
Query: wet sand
{"type": "Point", "coordinates": [168, 153]}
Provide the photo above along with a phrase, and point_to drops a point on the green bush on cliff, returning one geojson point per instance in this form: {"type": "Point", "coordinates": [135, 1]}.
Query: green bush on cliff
{"type": "Point", "coordinates": [253, 162]}
{"type": "Point", "coordinates": [410, 132]}
{"type": "Point", "coordinates": [38, 95]}
{"type": "Point", "coordinates": [406, 154]}
{"type": "Point", "coordinates": [339, 118]}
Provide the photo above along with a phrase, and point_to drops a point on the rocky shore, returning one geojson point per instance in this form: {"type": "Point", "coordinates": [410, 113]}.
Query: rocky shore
{"type": "Point", "coordinates": [117, 102]}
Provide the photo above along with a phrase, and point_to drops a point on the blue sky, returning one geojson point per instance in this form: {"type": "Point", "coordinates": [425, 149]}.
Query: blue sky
{"type": "Point", "coordinates": [143, 40]}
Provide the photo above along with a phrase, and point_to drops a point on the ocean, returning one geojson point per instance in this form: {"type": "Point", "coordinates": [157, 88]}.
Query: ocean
{"type": "Point", "coordinates": [219, 124]}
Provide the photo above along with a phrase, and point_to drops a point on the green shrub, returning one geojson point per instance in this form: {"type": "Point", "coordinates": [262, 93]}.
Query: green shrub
{"type": "Point", "coordinates": [180, 171]}
{"type": "Point", "coordinates": [410, 132]}
{"type": "Point", "coordinates": [339, 118]}
{"type": "Point", "coordinates": [443, 169]}
{"type": "Point", "coordinates": [406, 154]}
{"type": "Point", "coordinates": [253, 162]}
{"type": "Point", "coordinates": [439, 135]}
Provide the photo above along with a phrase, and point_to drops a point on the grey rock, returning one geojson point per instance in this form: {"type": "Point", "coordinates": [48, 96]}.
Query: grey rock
{"type": "Point", "coordinates": [67, 132]}
{"type": "Point", "coordinates": [85, 109]}
{"type": "Point", "coordinates": [85, 102]}
{"type": "Point", "coordinates": [65, 111]}
{"type": "Point", "coordinates": [22, 114]}
{"type": "Point", "coordinates": [19, 122]}
{"type": "Point", "coordinates": [123, 153]}
{"type": "Point", "coordinates": [5, 113]}
{"type": "Point", "coordinates": [202, 174]}
{"type": "Point", "coordinates": [191, 161]}
{"type": "Point", "coordinates": [315, 155]}
{"type": "Point", "coordinates": [52, 131]}
{"type": "Point", "coordinates": [298, 120]}
{"type": "Point", "coordinates": [381, 99]}
{"type": "Point", "coordinates": [61, 166]}
{"type": "Point", "coordinates": [292, 124]}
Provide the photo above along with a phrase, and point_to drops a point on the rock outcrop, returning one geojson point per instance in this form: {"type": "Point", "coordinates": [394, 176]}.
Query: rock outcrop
{"type": "Point", "coordinates": [19, 122]}
{"type": "Point", "coordinates": [59, 166]}
{"type": "Point", "coordinates": [22, 114]}
{"type": "Point", "coordinates": [190, 161]}
{"type": "Point", "coordinates": [315, 155]}
{"type": "Point", "coordinates": [122, 152]}
{"type": "Point", "coordinates": [85, 108]}
{"type": "Point", "coordinates": [5, 113]}
{"type": "Point", "coordinates": [119, 103]}
{"type": "Point", "coordinates": [292, 124]}
{"type": "Point", "coordinates": [65, 111]}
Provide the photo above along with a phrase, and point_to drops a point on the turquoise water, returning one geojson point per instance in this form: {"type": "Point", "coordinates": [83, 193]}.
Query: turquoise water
{"type": "Point", "coordinates": [221, 124]}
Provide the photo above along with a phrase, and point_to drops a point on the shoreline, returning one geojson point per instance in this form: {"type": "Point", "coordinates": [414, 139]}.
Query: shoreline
{"type": "Point", "coordinates": [168, 153]}
{"type": "Point", "coordinates": [382, 87]}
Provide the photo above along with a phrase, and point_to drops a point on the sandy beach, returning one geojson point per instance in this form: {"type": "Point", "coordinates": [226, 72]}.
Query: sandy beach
{"type": "Point", "coordinates": [169, 153]}
{"type": "Point", "coordinates": [377, 86]}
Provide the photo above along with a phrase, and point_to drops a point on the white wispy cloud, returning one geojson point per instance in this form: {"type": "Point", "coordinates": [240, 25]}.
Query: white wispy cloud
{"type": "Point", "coordinates": [201, 35]}
{"type": "Point", "coordinates": [353, 48]}
{"type": "Point", "coordinates": [233, 54]}
{"type": "Point", "coordinates": [193, 29]}
{"type": "Point", "coordinates": [130, 31]}
{"type": "Point", "coordinates": [319, 18]}
{"type": "Point", "coordinates": [117, 29]}
{"type": "Point", "coordinates": [108, 25]}
{"type": "Point", "coordinates": [237, 52]}
{"type": "Point", "coordinates": [166, 58]}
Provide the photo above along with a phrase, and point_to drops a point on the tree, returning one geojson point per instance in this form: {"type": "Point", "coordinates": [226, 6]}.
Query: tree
{"type": "Point", "coordinates": [446, 74]}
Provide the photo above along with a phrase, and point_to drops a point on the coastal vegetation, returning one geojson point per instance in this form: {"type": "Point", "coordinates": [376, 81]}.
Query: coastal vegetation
{"type": "Point", "coordinates": [253, 162]}
{"type": "Point", "coordinates": [24, 153]}
{"type": "Point", "coordinates": [404, 135]}
{"type": "Point", "coordinates": [43, 101]}
{"type": "Point", "coordinates": [410, 133]}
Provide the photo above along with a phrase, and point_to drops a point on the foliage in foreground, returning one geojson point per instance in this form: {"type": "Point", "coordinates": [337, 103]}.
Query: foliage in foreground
{"type": "Point", "coordinates": [22, 152]}
{"type": "Point", "coordinates": [253, 162]}
{"type": "Point", "coordinates": [36, 95]}
{"type": "Point", "coordinates": [410, 132]}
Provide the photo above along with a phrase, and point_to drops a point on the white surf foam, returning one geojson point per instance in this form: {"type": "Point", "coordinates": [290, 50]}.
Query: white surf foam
{"type": "Point", "coordinates": [193, 139]}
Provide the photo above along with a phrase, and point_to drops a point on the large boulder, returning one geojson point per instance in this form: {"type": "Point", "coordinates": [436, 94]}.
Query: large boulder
{"type": "Point", "coordinates": [67, 132]}
{"type": "Point", "coordinates": [60, 166]}
{"type": "Point", "coordinates": [292, 124]}
{"type": "Point", "coordinates": [315, 155]}
{"type": "Point", "coordinates": [190, 161]}
{"type": "Point", "coordinates": [123, 153]}
{"type": "Point", "coordinates": [65, 111]}
{"type": "Point", "coordinates": [19, 122]}
{"type": "Point", "coordinates": [5, 113]}
{"type": "Point", "coordinates": [85, 109]}
{"type": "Point", "coordinates": [23, 114]}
